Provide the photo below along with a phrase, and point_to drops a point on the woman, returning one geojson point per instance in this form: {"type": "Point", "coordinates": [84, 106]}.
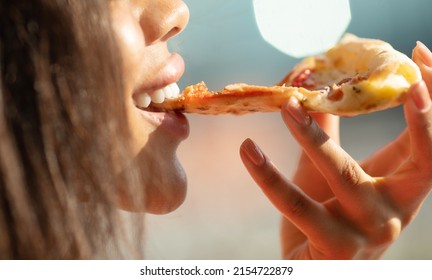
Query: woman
{"type": "Point", "coordinates": [72, 72]}
{"type": "Point", "coordinates": [75, 146]}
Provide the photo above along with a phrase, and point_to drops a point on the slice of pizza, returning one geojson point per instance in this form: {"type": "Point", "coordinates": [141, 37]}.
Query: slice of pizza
{"type": "Point", "coordinates": [356, 76]}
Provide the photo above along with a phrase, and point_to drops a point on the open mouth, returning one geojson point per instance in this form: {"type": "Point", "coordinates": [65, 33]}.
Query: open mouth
{"type": "Point", "coordinates": [171, 121]}
{"type": "Point", "coordinates": [145, 100]}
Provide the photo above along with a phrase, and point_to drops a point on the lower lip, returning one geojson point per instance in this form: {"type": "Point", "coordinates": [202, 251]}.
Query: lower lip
{"type": "Point", "coordinates": [174, 124]}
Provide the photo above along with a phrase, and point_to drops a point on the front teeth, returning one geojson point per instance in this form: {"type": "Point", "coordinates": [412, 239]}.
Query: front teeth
{"type": "Point", "coordinates": [171, 91]}
{"type": "Point", "coordinates": [143, 100]}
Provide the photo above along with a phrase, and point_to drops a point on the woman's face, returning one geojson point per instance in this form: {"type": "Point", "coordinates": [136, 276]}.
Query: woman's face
{"type": "Point", "coordinates": [150, 71]}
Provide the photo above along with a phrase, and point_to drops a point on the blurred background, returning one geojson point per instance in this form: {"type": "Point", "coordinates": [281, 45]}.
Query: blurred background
{"type": "Point", "coordinates": [225, 215]}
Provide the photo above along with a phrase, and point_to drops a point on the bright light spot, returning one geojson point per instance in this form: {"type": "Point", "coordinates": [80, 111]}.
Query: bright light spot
{"type": "Point", "coordinates": [302, 27]}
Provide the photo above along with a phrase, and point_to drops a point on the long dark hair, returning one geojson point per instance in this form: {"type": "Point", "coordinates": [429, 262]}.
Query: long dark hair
{"type": "Point", "coordinates": [63, 138]}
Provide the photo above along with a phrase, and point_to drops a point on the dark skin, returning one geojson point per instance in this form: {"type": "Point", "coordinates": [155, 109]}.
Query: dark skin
{"type": "Point", "coordinates": [334, 201]}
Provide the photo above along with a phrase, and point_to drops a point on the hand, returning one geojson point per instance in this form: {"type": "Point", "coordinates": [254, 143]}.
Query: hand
{"type": "Point", "coordinates": [364, 207]}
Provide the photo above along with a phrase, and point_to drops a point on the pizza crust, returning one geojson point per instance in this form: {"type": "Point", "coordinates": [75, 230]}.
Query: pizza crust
{"type": "Point", "coordinates": [356, 76]}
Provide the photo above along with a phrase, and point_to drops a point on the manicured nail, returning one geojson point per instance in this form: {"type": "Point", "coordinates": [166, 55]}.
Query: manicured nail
{"type": "Point", "coordinates": [253, 152]}
{"type": "Point", "coordinates": [425, 54]}
{"type": "Point", "coordinates": [297, 112]}
{"type": "Point", "coordinates": [420, 96]}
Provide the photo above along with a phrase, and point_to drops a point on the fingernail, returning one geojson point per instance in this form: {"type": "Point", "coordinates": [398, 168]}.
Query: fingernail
{"type": "Point", "coordinates": [425, 54]}
{"type": "Point", "coordinates": [420, 96]}
{"type": "Point", "coordinates": [253, 152]}
{"type": "Point", "coordinates": [297, 112]}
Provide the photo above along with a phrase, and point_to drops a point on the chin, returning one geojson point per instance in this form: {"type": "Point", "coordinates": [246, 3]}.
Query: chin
{"type": "Point", "coordinates": [162, 189]}
{"type": "Point", "coordinates": [166, 193]}
{"type": "Point", "coordinates": [163, 180]}
{"type": "Point", "coordinates": [163, 176]}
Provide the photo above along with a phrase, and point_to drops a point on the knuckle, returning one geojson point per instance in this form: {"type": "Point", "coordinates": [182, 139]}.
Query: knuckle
{"type": "Point", "coordinates": [319, 136]}
{"type": "Point", "coordinates": [385, 231]}
{"type": "Point", "coordinates": [349, 173]}
{"type": "Point", "coordinates": [290, 202]}
{"type": "Point", "coordinates": [271, 176]}
{"type": "Point", "coordinates": [296, 205]}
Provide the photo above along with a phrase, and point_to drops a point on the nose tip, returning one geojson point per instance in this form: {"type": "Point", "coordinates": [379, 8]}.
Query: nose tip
{"type": "Point", "coordinates": [165, 21]}
{"type": "Point", "coordinates": [177, 20]}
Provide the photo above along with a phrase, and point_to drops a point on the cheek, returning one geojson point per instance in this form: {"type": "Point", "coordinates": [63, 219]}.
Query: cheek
{"type": "Point", "coordinates": [130, 42]}
{"type": "Point", "coordinates": [140, 129]}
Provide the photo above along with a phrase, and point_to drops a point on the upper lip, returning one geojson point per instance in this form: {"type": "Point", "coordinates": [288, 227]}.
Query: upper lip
{"type": "Point", "coordinates": [169, 72]}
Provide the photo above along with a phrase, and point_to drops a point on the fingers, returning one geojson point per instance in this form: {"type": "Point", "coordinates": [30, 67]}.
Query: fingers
{"type": "Point", "coordinates": [328, 123]}
{"type": "Point", "coordinates": [302, 177]}
{"type": "Point", "coordinates": [418, 113]}
{"type": "Point", "coordinates": [423, 57]}
{"type": "Point", "coordinates": [398, 151]}
{"type": "Point", "coordinates": [413, 180]}
{"type": "Point", "coordinates": [301, 210]}
{"type": "Point", "coordinates": [341, 171]}
{"type": "Point", "coordinates": [418, 107]}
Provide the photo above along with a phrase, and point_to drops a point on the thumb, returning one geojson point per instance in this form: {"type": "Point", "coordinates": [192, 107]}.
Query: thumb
{"type": "Point", "coordinates": [422, 56]}
{"type": "Point", "coordinates": [418, 113]}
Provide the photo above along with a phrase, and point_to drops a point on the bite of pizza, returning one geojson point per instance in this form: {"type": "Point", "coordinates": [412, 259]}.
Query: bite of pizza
{"type": "Point", "coordinates": [356, 76]}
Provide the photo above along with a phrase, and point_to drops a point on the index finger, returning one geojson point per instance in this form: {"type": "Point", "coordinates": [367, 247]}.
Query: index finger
{"type": "Point", "coordinates": [307, 214]}
{"type": "Point", "coordinates": [346, 178]}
